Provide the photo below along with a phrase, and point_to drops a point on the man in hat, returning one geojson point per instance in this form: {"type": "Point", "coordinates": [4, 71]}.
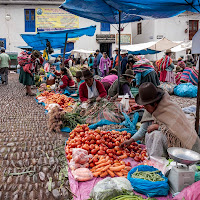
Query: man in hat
{"type": "Point", "coordinates": [172, 128]}
{"type": "Point", "coordinates": [124, 83]}
{"type": "Point", "coordinates": [124, 61]}
{"type": "Point", "coordinates": [107, 81]}
{"type": "Point", "coordinates": [4, 64]}
{"type": "Point", "coordinates": [116, 60]}
{"type": "Point", "coordinates": [91, 88]}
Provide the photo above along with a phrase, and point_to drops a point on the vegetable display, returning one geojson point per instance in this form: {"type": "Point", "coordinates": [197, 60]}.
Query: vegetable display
{"type": "Point", "coordinates": [147, 175]}
{"type": "Point", "coordinates": [130, 197]}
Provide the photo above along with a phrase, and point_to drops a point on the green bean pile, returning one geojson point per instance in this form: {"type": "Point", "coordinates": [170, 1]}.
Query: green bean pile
{"type": "Point", "coordinates": [147, 175]}
{"type": "Point", "coordinates": [130, 197]}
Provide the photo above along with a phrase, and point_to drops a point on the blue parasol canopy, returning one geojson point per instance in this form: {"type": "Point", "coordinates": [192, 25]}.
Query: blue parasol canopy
{"type": "Point", "coordinates": [56, 38]}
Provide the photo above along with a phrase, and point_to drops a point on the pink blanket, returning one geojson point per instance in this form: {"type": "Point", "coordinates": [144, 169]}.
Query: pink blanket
{"type": "Point", "coordinates": [82, 189]}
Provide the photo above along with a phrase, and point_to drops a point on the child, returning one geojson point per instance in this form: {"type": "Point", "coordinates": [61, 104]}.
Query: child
{"type": "Point", "coordinates": [104, 64]}
{"type": "Point", "coordinates": [79, 81]}
{"type": "Point", "coordinates": [67, 82]}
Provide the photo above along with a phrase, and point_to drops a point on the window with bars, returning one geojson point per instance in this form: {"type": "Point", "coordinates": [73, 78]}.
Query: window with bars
{"type": "Point", "coordinates": [139, 28]}
{"type": "Point", "coordinates": [29, 15]}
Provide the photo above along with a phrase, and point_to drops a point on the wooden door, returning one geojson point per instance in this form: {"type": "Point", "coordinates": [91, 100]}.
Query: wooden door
{"type": "Point", "coordinates": [193, 28]}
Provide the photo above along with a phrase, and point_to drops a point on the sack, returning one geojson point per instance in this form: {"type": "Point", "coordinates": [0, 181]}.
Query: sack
{"type": "Point", "coordinates": [186, 90]}
{"type": "Point", "coordinates": [109, 188]}
{"type": "Point", "coordinates": [168, 87]}
{"type": "Point", "coordinates": [149, 188]}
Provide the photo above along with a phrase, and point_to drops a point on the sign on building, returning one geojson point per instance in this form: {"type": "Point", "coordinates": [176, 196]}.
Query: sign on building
{"type": "Point", "coordinates": [49, 19]}
{"type": "Point", "coordinates": [125, 39]}
{"type": "Point", "coordinates": [105, 38]}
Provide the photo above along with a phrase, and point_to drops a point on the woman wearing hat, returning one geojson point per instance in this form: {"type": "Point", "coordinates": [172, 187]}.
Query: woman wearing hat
{"type": "Point", "coordinates": [124, 84]}
{"type": "Point", "coordinates": [144, 71]}
{"type": "Point", "coordinates": [28, 64]}
{"type": "Point", "coordinates": [181, 63]}
{"type": "Point", "coordinates": [172, 128]}
{"type": "Point", "coordinates": [91, 88]}
{"type": "Point", "coordinates": [165, 67]}
{"type": "Point", "coordinates": [107, 81]}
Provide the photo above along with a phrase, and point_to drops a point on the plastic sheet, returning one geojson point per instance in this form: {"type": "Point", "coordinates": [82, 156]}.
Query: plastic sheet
{"type": "Point", "coordinates": [186, 90]}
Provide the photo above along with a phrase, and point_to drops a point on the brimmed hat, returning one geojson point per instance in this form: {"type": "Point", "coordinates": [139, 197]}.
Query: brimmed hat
{"type": "Point", "coordinates": [129, 73]}
{"type": "Point", "coordinates": [116, 49]}
{"type": "Point", "coordinates": [79, 74]}
{"type": "Point", "coordinates": [179, 69]}
{"type": "Point", "coordinates": [148, 93]}
{"type": "Point", "coordinates": [179, 59]}
{"type": "Point", "coordinates": [113, 71]}
{"type": "Point", "coordinates": [168, 51]}
{"type": "Point", "coordinates": [87, 74]}
{"type": "Point", "coordinates": [36, 53]}
{"type": "Point", "coordinates": [123, 52]}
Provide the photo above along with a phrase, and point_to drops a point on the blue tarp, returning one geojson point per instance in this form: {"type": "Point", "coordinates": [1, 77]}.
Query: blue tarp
{"type": "Point", "coordinates": [132, 10]}
{"type": "Point", "coordinates": [61, 54]}
{"type": "Point", "coordinates": [143, 52]}
{"type": "Point", "coordinates": [56, 38]}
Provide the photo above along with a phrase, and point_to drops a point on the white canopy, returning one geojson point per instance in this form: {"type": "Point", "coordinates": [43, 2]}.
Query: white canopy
{"type": "Point", "coordinates": [82, 51]}
{"type": "Point", "coordinates": [160, 45]}
{"type": "Point", "coordinates": [196, 43]}
{"type": "Point", "coordinates": [183, 46]}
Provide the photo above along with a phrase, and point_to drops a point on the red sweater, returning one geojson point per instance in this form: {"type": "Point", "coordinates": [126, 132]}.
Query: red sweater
{"type": "Point", "coordinates": [83, 91]}
{"type": "Point", "coordinates": [65, 80]}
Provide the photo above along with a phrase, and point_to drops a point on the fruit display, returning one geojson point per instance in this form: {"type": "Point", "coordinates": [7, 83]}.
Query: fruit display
{"type": "Point", "coordinates": [105, 148]}
{"type": "Point", "coordinates": [61, 99]}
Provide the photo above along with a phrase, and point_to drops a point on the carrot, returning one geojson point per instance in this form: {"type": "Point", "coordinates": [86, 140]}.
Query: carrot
{"type": "Point", "coordinates": [101, 165]}
{"type": "Point", "coordinates": [96, 156]}
{"type": "Point", "coordinates": [104, 174]}
{"type": "Point", "coordinates": [123, 156]}
{"type": "Point", "coordinates": [119, 174]}
{"type": "Point", "coordinates": [102, 169]}
{"type": "Point", "coordinates": [101, 161]}
{"type": "Point", "coordinates": [111, 173]}
{"type": "Point", "coordinates": [116, 164]}
{"type": "Point", "coordinates": [117, 169]}
{"type": "Point", "coordinates": [95, 174]}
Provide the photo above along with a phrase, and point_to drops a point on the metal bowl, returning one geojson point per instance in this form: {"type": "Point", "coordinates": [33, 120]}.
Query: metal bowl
{"type": "Point", "coordinates": [183, 156]}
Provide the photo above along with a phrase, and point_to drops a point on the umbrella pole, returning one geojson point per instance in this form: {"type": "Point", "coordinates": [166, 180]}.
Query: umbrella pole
{"type": "Point", "coordinates": [198, 104]}
{"type": "Point", "coordinates": [64, 50]}
{"type": "Point", "coordinates": [119, 68]}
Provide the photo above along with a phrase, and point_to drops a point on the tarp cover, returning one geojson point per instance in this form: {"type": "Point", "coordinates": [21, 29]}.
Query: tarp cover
{"type": "Point", "coordinates": [150, 47]}
{"type": "Point", "coordinates": [132, 10]}
{"type": "Point", "coordinates": [56, 38]}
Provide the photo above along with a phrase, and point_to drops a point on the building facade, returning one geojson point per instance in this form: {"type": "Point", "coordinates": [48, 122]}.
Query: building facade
{"type": "Point", "coordinates": [179, 28]}
{"type": "Point", "coordinates": [18, 17]}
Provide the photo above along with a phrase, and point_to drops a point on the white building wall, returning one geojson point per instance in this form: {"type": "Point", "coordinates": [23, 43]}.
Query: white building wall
{"type": "Point", "coordinates": [12, 29]}
{"type": "Point", "coordinates": [172, 28]}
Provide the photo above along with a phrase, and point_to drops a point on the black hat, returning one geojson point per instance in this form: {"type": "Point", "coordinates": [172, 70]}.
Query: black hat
{"type": "Point", "coordinates": [148, 93]}
{"type": "Point", "coordinates": [79, 74]}
{"type": "Point", "coordinates": [129, 73]}
{"type": "Point", "coordinates": [87, 74]}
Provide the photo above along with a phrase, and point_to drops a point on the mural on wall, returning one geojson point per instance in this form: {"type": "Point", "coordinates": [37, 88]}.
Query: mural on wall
{"type": "Point", "coordinates": [50, 19]}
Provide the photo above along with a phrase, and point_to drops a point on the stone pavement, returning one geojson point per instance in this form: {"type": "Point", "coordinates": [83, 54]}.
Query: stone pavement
{"type": "Point", "coordinates": [27, 148]}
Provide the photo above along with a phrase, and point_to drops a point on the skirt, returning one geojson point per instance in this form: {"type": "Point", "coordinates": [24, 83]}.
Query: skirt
{"type": "Point", "coordinates": [25, 78]}
{"type": "Point", "coordinates": [170, 77]}
{"type": "Point", "coordinates": [151, 77]}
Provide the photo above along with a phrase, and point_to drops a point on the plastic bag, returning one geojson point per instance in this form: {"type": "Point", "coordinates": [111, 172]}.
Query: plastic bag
{"type": "Point", "coordinates": [168, 87]}
{"type": "Point", "coordinates": [79, 159]}
{"type": "Point", "coordinates": [101, 123]}
{"type": "Point", "coordinates": [110, 187]}
{"type": "Point", "coordinates": [186, 90]}
{"type": "Point", "coordinates": [189, 193]}
{"type": "Point", "coordinates": [82, 174]}
{"type": "Point", "coordinates": [149, 188]}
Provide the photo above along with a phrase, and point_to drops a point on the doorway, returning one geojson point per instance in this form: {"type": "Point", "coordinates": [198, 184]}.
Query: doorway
{"type": "Point", "coordinates": [106, 47]}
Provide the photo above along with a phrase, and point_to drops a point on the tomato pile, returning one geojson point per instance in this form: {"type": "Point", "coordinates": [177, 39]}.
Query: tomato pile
{"type": "Point", "coordinates": [106, 143]}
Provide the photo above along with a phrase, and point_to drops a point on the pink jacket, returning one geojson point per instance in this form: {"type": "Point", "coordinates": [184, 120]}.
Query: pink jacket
{"type": "Point", "coordinates": [109, 79]}
{"type": "Point", "coordinates": [104, 62]}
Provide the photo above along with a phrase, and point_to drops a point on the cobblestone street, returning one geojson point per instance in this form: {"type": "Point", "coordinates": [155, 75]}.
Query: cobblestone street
{"type": "Point", "coordinates": [29, 155]}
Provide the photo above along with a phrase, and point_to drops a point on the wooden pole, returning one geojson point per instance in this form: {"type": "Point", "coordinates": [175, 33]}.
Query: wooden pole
{"type": "Point", "coordinates": [64, 50]}
{"type": "Point", "coordinates": [198, 103]}
{"type": "Point", "coordinates": [119, 42]}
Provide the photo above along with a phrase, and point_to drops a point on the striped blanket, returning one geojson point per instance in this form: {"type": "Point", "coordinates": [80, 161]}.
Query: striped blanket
{"type": "Point", "coordinates": [164, 63]}
{"type": "Point", "coordinates": [142, 65]}
{"type": "Point", "coordinates": [190, 75]}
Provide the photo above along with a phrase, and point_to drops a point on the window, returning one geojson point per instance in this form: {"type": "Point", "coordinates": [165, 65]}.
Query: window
{"type": "Point", "coordinates": [139, 28]}
{"type": "Point", "coordinates": [29, 15]}
{"type": "Point", "coordinates": [193, 28]}
{"type": "Point", "coordinates": [105, 27]}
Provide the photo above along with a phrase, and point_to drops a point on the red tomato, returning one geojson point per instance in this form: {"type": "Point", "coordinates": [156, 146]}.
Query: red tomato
{"type": "Point", "coordinates": [91, 164]}
{"type": "Point", "coordinates": [92, 146]}
{"type": "Point", "coordinates": [92, 142]}
{"type": "Point", "coordinates": [110, 155]}
{"type": "Point", "coordinates": [95, 160]}
{"type": "Point", "coordinates": [98, 142]}
{"type": "Point", "coordinates": [98, 137]}
{"type": "Point", "coordinates": [93, 151]}
{"type": "Point", "coordinates": [109, 151]}
{"type": "Point", "coordinates": [101, 152]}
{"type": "Point", "coordinates": [137, 159]}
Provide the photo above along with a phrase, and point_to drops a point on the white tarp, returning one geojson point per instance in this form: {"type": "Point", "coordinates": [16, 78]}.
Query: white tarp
{"type": "Point", "coordinates": [82, 51]}
{"type": "Point", "coordinates": [196, 43]}
{"type": "Point", "coordinates": [182, 47]}
{"type": "Point", "coordinates": [160, 45]}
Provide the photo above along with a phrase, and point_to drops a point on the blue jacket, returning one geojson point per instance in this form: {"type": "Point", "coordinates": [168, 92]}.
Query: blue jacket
{"type": "Point", "coordinates": [99, 58]}
{"type": "Point", "coordinates": [140, 75]}
{"type": "Point", "coordinates": [123, 64]}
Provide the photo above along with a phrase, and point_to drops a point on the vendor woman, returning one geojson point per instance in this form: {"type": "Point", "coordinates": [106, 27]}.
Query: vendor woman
{"type": "Point", "coordinates": [91, 88]}
{"type": "Point", "coordinates": [124, 84]}
{"type": "Point", "coordinates": [67, 82]}
{"type": "Point", "coordinates": [171, 128]}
